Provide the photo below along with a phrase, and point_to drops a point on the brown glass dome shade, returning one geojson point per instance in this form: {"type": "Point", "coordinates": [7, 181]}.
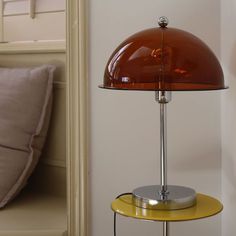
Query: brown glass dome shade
{"type": "Point", "coordinates": [164, 59]}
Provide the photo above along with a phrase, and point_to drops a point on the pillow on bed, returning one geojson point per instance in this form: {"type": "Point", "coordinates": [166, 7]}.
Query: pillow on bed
{"type": "Point", "coordinates": [25, 107]}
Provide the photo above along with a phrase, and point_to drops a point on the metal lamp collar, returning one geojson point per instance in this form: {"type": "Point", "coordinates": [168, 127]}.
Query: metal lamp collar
{"type": "Point", "coordinates": [163, 96]}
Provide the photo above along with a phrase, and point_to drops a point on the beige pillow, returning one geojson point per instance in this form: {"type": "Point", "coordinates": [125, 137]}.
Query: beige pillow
{"type": "Point", "coordinates": [25, 105]}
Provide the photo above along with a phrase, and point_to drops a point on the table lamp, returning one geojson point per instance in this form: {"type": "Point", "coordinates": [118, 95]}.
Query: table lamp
{"type": "Point", "coordinates": [163, 59]}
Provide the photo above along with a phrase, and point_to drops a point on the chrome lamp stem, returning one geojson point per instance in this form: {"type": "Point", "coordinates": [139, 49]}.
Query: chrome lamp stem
{"type": "Point", "coordinates": [163, 97]}
{"type": "Point", "coordinates": [163, 149]}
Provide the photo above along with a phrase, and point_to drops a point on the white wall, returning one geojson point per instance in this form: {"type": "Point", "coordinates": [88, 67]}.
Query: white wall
{"type": "Point", "coordinates": [228, 56]}
{"type": "Point", "coordinates": [125, 125]}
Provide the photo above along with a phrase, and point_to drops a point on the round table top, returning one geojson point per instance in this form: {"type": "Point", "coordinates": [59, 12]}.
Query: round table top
{"type": "Point", "coordinates": [206, 206]}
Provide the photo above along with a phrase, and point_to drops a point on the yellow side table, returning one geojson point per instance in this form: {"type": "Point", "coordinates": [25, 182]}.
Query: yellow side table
{"type": "Point", "coordinates": [206, 206]}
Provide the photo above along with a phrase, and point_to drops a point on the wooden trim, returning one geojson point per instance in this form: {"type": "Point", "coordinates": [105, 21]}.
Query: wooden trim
{"type": "Point", "coordinates": [54, 162]}
{"type": "Point", "coordinates": [59, 84]}
{"type": "Point", "coordinates": [1, 21]}
{"type": "Point", "coordinates": [12, 0]}
{"type": "Point", "coordinates": [77, 125]}
{"type": "Point", "coordinates": [50, 46]}
{"type": "Point", "coordinates": [36, 13]}
{"type": "Point", "coordinates": [32, 9]}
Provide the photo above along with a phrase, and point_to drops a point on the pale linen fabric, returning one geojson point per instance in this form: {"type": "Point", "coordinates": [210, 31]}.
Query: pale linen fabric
{"type": "Point", "coordinates": [25, 105]}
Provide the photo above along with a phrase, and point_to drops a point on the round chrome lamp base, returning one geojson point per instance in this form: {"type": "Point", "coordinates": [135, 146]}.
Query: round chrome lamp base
{"type": "Point", "coordinates": [151, 197]}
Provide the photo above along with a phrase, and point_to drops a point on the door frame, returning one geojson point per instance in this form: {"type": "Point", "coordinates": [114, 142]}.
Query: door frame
{"type": "Point", "coordinates": [77, 117]}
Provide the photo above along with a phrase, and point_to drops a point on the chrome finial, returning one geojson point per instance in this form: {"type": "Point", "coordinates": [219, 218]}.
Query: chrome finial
{"type": "Point", "coordinates": [163, 21]}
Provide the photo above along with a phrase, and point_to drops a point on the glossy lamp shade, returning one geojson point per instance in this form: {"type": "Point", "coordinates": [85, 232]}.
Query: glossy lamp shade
{"type": "Point", "coordinates": [163, 59]}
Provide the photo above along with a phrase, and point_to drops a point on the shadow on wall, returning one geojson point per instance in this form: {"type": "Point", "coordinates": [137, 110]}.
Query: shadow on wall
{"type": "Point", "coordinates": [229, 157]}
{"type": "Point", "coordinates": [230, 166]}
{"type": "Point", "coordinates": [232, 64]}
